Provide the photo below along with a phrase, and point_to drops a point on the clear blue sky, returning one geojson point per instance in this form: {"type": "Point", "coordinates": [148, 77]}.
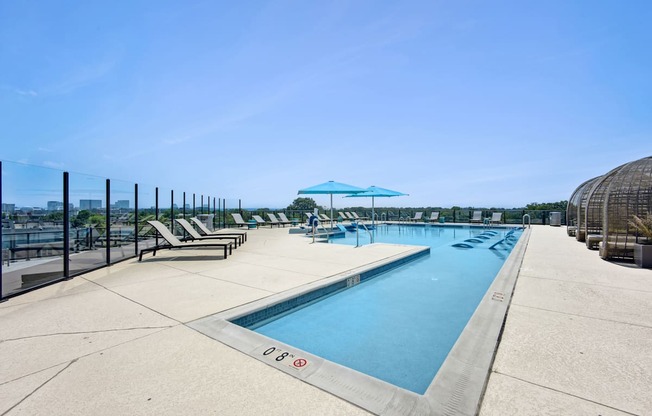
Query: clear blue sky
{"type": "Point", "coordinates": [470, 103]}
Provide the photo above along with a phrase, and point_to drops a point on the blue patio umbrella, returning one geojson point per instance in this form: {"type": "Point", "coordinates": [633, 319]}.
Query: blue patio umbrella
{"type": "Point", "coordinates": [373, 192]}
{"type": "Point", "coordinates": [331, 188]}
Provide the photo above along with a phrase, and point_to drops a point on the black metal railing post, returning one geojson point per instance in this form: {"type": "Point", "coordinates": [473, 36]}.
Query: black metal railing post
{"type": "Point", "coordinates": [223, 213]}
{"type": "Point", "coordinates": [193, 206]}
{"type": "Point", "coordinates": [172, 211]}
{"type": "Point", "coordinates": [156, 212]}
{"type": "Point", "coordinates": [107, 232]}
{"type": "Point", "coordinates": [66, 225]}
{"type": "Point", "coordinates": [136, 219]}
{"type": "Point", "coordinates": [214, 212]}
{"type": "Point", "coordinates": [183, 210]}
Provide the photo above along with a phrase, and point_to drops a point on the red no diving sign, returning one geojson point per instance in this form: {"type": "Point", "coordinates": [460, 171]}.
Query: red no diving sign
{"type": "Point", "coordinates": [300, 363]}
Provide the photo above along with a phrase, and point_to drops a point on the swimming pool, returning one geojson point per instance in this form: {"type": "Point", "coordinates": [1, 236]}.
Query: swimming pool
{"type": "Point", "coordinates": [459, 382]}
{"type": "Point", "coordinates": [400, 326]}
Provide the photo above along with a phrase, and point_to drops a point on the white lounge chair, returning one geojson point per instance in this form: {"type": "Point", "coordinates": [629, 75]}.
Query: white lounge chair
{"type": "Point", "coordinates": [173, 242]}
{"type": "Point", "coordinates": [239, 221]}
{"type": "Point", "coordinates": [275, 221]}
{"type": "Point", "coordinates": [205, 231]}
{"type": "Point", "coordinates": [324, 218]}
{"type": "Point", "coordinates": [417, 216]}
{"type": "Point", "coordinates": [284, 218]}
{"type": "Point", "coordinates": [496, 218]}
{"type": "Point", "coordinates": [194, 235]}
{"type": "Point", "coordinates": [259, 220]}
{"type": "Point", "coordinates": [434, 216]}
{"type": "Point", "coordinates": [357, 217]}
{"type": "Point", "coordinates": [477, 217]}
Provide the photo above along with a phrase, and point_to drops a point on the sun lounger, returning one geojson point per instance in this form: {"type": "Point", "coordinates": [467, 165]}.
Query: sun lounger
{"type": "Point", "coordinates": [477, 217]}
{"type": "Point", "coordinates": [272, 220]}
{"type": "Point", "coordinates": [417, 216]}
{"type": "Point", "coordinates": [283, 218]}
{"type": "Point", "coordinates": [275, 221]}
{"type": "Point", "coordinates": [434, 216]}
{"type": "Point", "coordinates": [324, 218]}
{"type": "Point", "coordinates": [349, 216]}
{"type": "Point", "coordinates": [239, 221]}
{"type": "Point", "coordinates": [259, 220]}
{"type": "Point", "coordinates": [344, 217]}
{"type": "Point", "coordinates": [496, 218]}
{"type": "Point", "coordinates": [205, 231]}
{"type": "Point", "coordinates": [357, 217]}
{"type": "Point", "coordinates": [173, 242]}
{"type": "Point", "coordinates": [194, 235]}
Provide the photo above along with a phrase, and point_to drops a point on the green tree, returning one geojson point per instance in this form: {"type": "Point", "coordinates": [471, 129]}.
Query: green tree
{"type": "Point", "coordinates": [547, 206]}
{"type": "Point", "coordinates": [54, 216]}
{"type": "Point", "coordinates": [97, 220]}
{"type": "Point", "coordinates": [81, 219]}
{"type": "Point", "coordinates": [303, 204]}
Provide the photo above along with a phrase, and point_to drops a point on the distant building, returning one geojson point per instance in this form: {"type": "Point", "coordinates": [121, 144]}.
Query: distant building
{"type": "Point", "coordinates": [90, 204]}
{"type": "Point", "coordinates": [122, 204]}
{"type": "Point", "coordinates": [9, 208]}
{"type": "Point", "coordinates": [55, 206]}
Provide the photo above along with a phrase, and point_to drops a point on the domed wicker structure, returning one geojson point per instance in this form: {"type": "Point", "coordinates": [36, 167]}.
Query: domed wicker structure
{"type": "Point", "coordinates": [594, 212]}
{"type": "Point", "coordinates": [629, 194]}
{"type": "Point", "coordinates": [575, 212]}
{"type": "Point", "coordinates": [603, 207]}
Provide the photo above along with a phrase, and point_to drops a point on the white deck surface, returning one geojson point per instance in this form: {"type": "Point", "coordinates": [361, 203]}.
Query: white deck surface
{"type": "Point", "coordinates": [578, 338]}
{"type": "Point", "coordinates": [114, 341]}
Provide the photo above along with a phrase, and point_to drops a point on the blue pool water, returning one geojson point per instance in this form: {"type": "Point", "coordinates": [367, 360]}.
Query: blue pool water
{"type": "Point", "coordinates": [400, 326]}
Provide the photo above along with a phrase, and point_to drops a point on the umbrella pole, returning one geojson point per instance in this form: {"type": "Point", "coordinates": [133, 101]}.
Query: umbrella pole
{"type": "Point", "coordinates": [373, 213]}
{"type": "Point", "coordinates": [329, 234]}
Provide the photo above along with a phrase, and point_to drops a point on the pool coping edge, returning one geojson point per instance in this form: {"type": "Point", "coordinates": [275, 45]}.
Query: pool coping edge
{"type": "Point", "coordinates": [456, 389]}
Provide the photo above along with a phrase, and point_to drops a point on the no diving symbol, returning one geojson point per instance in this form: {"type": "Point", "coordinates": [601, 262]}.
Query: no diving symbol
{"type": "Point", "coordinates": [300, 362]}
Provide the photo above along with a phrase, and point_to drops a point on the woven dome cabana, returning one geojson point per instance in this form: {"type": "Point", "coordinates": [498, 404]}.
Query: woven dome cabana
{"type": "Point", "coordinates": [594, 212]}
{"type": "Point", "coordinates": [629, 193]}
{"type": "Point", "coordinates": [577, 209]}
{"type": "Point", "coordinates": [572, 210]}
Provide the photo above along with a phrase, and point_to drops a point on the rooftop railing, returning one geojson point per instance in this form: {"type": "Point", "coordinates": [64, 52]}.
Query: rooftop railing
{"type": "Point", "coordinates": [57, 225]}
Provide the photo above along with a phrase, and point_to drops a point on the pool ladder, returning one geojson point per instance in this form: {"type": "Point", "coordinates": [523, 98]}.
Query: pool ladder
{"type": "Point", "coordinates": [357, 234]}
{"type": "Point", "coordinates": [316, 233]}
{"type": "Point", "coordinates": [528, 221]}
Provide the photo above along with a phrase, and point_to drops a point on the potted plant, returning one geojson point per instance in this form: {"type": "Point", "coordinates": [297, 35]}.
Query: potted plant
{"type": "Point", "coordinates": [643, 249]}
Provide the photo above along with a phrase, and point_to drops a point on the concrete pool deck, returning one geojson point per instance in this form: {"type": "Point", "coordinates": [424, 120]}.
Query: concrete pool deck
{"type": "Point", "coordinates": [577, 339]}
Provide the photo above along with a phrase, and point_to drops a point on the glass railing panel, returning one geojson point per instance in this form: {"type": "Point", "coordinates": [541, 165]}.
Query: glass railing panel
{"type": "Point", "coordinates": [219, 214]}
{"type": "Point", "coordinates": [202, 204]}
{"type": "Point", "coordinates": [179, 204]}
{"type": "Point", "coordinates": [122, 221]}
{"type": "Point", "coordinates": [166, 207]}
{"type": "Point", "coordinates": [88, 234]}
{"type": "Point", "coordinates": [146, 211]}
{"type": "Point", "coordinates": [204, 209]}
{"type": "Point", "coordinates": [32, 227]}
